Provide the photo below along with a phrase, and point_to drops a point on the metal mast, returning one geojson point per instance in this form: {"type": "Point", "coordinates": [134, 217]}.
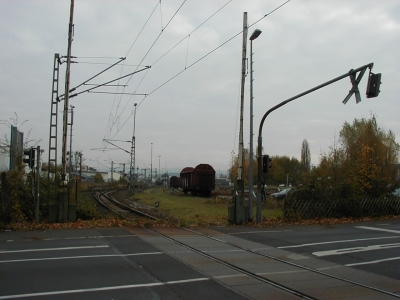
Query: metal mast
{"type": "Point", "coordinates": [237, 212]}
{"type": "Point", "coordinates": [52, 163]}
{"type": "Point", "coordinates": [67, 76]}
{"type": "Point", "coordinates": [133, 148]}
{"type": "Point", "coordinates": [240, 179]}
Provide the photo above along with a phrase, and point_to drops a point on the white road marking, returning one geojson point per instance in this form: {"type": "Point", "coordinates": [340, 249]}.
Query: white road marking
{"type": "Point", "coordinates": [83, 237]}
{"type": "Point", "coordinates": [372, 262]}
{"type": "Point", "coordinates": [77, 257]}
{"type": "Point", "coordinates": [356, 249]}
{"type": "Point", "coordinates": [335, 242]}
{"type": "Point", "coordinates": [261, 231]}
{"type": "Point", "coordinates": [89, 237]}
{"type": "Point", "coordinates": [55, 249]}
{"type": "Point", "coordinates": [378, 229]}
{"type": "Point", "coordinates": [109, 288]}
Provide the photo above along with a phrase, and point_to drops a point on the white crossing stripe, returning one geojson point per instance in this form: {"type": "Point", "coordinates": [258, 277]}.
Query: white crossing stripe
{"type": "Point", "coordinates": [372, 262]}
{"type": "Point", "coordinates": [109, 288]}
{"type": "Point", "coordinates": [77, 257]}
{"type": "Point", "coordinates": [378, 229]}
{"type": "Point", "coordinates": [55, 249]}
{"type": "Point", "coordinates": [340, 241]}
{"type": "Point", "coordinates": [356, 249]}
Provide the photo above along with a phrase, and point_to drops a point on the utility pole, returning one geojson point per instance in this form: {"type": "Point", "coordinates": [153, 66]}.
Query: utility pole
{"type": "Point", "coordinates": [63, 194]}
{"type": "Point", "coordinates": [133, 150]}
{"type": "Point", "coordinates": [112, 171]}
{"type": "Point", "coordinates": [70, 142]}
{"type": "Point", "coordinates": [240, 177]}
{"type": "Point", "coordinates": [159, 170]}
{"type": "Point", "coordinates": [66, 98]}
{"type": "Point", "coordinates": [236, 212]}
{"type": "Point", "coordinates": [80, 164]}
{"type": "Point", "coordinates": [37, 183]}
{"type": "Point", "coordinates": [151, 166]}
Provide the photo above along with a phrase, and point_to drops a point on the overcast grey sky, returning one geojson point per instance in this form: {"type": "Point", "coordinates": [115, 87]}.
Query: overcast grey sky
{"type": "Point", "coordinates": [191, 113]}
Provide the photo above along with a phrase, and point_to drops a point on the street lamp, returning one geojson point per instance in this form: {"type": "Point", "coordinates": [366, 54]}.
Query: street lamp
{"type": "Point", "coordinates": [151, 166]}
{"type": "Point", "coordinates": [254, 35]}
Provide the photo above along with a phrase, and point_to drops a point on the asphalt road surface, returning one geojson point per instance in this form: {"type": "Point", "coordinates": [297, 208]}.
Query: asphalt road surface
{"type": "Point", "coordinates": [371, 246]}
{"type": "Point", "coordinates": [127, 263]}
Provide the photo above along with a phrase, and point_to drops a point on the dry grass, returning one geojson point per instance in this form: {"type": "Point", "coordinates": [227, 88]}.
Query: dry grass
{"type": "Point", "coordinates": [187, 210]}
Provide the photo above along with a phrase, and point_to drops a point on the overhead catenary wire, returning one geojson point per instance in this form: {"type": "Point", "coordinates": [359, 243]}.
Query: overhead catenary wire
{"type": "Point", "coordinates": [215, 49]}
{"type": "Point", "coordinates": [115, 120]}
{"type": "Point", "coordinates": [111, 122]}
{"type": "Point", "coordinates": [192, 64]}
{"type": "Point", "coordinates": [188, 35]}
{"type": "Point", "coordinates": [145, 74]}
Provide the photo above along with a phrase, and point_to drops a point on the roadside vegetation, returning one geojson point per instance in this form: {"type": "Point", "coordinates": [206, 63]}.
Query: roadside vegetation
{"type": "Point", "coordinates": [187, 210]}
{"type": "Point", "coordinates": [362, 163]}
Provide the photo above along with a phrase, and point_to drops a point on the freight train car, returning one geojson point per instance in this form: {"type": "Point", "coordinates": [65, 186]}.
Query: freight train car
{"type": "Point", "coordinates": [186, 179]}
{"type": "Point", "coordinates": [199, 180]}
{"type": "Point", "coordinates": [174, 182]}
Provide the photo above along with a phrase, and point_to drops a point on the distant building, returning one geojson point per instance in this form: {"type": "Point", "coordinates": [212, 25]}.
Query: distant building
{"type": "Point", "coordinates": [4, 162]}
{"type": "Point", "coordinates": [222, 182]}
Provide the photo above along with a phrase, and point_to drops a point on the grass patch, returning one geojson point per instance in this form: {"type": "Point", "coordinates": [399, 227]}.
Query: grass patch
{"type": "Point", "coordinates": [187, 210]}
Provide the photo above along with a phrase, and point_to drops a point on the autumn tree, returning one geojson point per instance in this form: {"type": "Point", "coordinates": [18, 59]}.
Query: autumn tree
{"type": "Point", "coordinates": [98, 178]}
{"type": "Point", "coordinates": [364, 160]}
{"type": "Point", "coordinates": [371, 156]}
{"type": "Point", "coordinates": [284, 169]}
{"type": "Point", "coordinates": [234, 167]}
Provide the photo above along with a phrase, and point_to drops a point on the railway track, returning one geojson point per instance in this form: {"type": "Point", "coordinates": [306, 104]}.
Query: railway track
{"type": "Point", "coordinates": [201, 245]}
{"type": "Point", "coordinates": [232, 256]}
{"type": "Point", "coordinates": [106, 199]}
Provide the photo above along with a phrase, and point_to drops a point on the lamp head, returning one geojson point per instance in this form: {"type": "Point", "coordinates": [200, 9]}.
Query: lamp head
{"type": "Point", "coordinates": [255, 34]}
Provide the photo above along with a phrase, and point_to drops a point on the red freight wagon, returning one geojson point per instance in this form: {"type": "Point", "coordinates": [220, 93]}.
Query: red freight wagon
{"type": "Point", "coordinates": [174, 182]}
{"type": "Point", "coordinates": [199, 180]}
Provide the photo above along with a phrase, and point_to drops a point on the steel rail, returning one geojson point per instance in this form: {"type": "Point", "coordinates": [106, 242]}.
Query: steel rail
{"type": "Point", "coordinates": [121, 205]}
{"type": "Point", "coordinates": [294, 264]}
{"type": "Point", "coordinates": [236, 268]}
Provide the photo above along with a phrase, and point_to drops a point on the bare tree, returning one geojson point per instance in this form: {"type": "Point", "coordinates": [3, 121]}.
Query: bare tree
{"type": "Point", "coordinates": [5, 142]}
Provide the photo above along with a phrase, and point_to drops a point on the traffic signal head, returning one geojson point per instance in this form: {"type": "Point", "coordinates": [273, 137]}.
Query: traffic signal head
{"type": "Point", "coordinates": [266, 163]}
{"type": "Point", "coordinates": [374, 82]}
{"type": "Point", "coordinates": [29, 157]}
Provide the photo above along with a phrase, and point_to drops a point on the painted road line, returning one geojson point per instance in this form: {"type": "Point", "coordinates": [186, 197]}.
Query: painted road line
{"type": "Point", "coordinates": [108, 288]}
{"type": "Point", "coordinates": [260, 231]}
{"type": "Point", "coordinates": [378, 229]}
{"type": "Point", "coordinates": [335, 242]}
{"type": "Point", "coordinates": [54, 249]}
{"type": "Point", "coordinates": [372, 262]}
{"type": "Point", "coordinates": [356, 249]}
{"type": "Point", "coordinates": [78, 257]}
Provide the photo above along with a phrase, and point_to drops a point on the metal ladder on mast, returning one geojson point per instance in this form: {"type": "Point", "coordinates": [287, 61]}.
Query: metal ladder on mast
{"type": "Point", "coordinates": [52, 163]}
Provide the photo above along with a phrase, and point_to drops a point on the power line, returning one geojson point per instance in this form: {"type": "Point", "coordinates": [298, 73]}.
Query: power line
{"type": "Point", "coordinates": [191, 33]}
{"type": "Point", "coordinates": [201, 58]}
{"type": "Point", "coordinates": [194, 63]}
{"type": "Point", "coordinates": [144, 58]}
{"type": "Point", "coordinates": [110, 122]}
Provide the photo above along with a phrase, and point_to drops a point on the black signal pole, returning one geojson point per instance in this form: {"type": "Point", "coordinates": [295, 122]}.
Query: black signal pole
{"type": "Point", "coordinates": [372, 91]}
